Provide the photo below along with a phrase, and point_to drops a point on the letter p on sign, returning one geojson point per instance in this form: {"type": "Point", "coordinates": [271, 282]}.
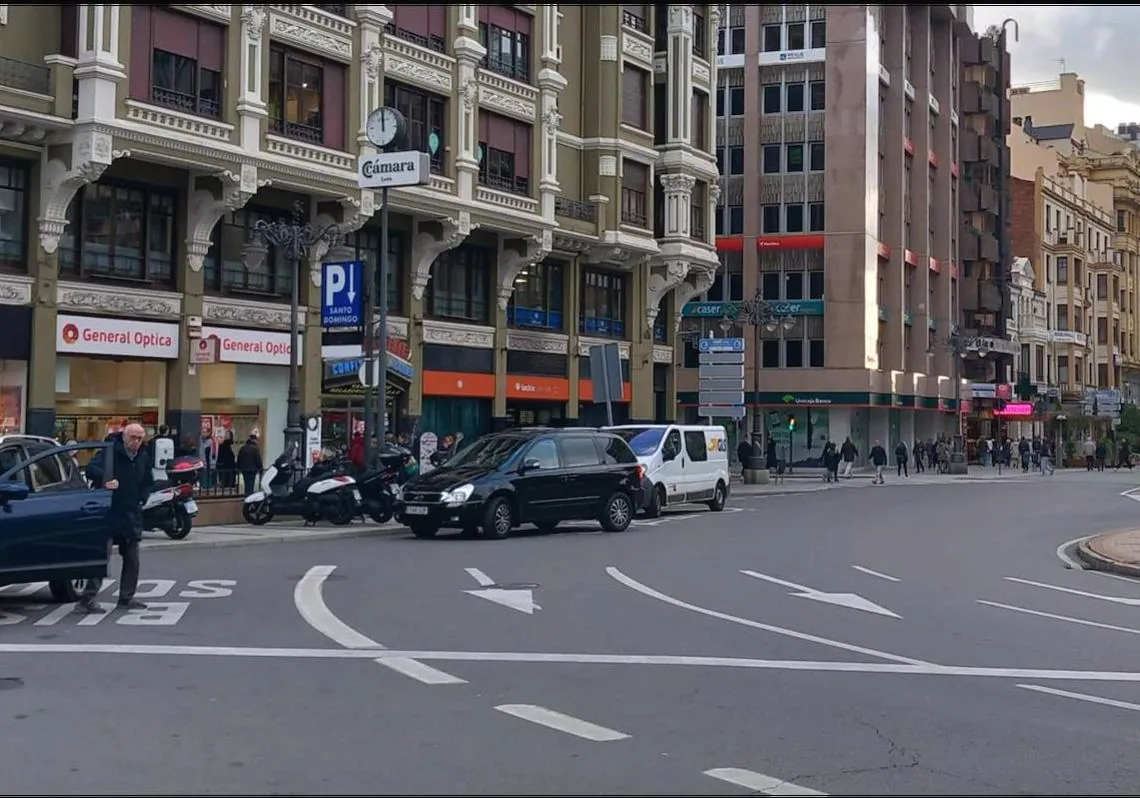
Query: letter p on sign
{"type": "Point", "coordinates": [335, 283]}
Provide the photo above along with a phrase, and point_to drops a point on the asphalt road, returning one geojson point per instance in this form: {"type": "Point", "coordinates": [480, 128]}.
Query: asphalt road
{"type": "Point", "coordinates": [918, 639]}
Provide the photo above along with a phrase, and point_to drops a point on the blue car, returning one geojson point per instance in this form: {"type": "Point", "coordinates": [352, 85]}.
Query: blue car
{"type": "Point", "coordinates": [54, 528]}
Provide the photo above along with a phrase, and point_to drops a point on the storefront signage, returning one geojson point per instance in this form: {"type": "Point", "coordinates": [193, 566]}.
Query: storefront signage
{"type": "Point", "coordinates": [983, 343]}
{"type": "Point", "coordinates": [716, 310]}
{"type": "Point", "coordinates": [1016, 409]}
{"type": "Point", "coordinates": [261, 347]}
{"type": "Point", "coordinates": [799, 307]}
{"type": "Point", "coordinates": [538, 388]}
{"type": "Point", "coordinates": [87, 335]}
{"type": "Point", "coordinates": [792, 242]}
{"type": "Point", "coordinates": [812, 55]}
{"type": "Point", "coordinates": [704, 310]}
{"type": "Point", "coordinates": [1067, 337]}
{"type": "Point", "coordinates": [389, 169]}
{"type": "Point", "coordinates": [792, 399]}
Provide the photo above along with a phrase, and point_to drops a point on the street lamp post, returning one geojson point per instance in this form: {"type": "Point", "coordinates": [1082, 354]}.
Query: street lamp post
{"type": "Point", "coordinates": [294, 238]}
{"type": "Point", "coordinates": [758, 313]}
{"type": "Point", "coordinates": [958, 348]}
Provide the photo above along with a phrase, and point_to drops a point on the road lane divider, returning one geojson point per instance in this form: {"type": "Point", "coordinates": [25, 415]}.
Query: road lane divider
{"type": "Point", "coordinates": [759, 783]}
{"type": "Point", "coordinates": [308, 598]}
{"type": "Point", "coordinates": [1091, 699]}
{"type": "Point", "coordinates": [1066, 618]}
{"type": "Point", "coordinates": [876, 574]}
{"type": "Point", "coordinates": [563, 723]}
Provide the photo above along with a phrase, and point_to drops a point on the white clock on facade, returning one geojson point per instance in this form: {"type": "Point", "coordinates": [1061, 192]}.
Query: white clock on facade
{"type": "Point", "coordinates": [385, 127]}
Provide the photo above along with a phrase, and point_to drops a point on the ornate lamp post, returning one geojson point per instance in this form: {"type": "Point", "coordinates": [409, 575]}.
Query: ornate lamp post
{"type": "Point", "coordinates": [758, 313]}
{"type": "Point", "coordinates": [294, 239]}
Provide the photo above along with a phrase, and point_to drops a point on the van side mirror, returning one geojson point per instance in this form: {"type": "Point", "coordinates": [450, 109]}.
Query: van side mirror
{"type": "Point", "coordinates": [13, 491]}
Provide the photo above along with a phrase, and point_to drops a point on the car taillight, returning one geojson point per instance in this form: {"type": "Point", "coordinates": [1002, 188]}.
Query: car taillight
{"type": "Point", "coordinates": [640, 472]}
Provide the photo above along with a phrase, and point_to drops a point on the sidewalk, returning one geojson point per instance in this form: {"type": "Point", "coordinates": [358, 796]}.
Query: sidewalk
{"type": "Point", "coordinates": [246, 535]}
{"type": "Point", "coordinates": [1116, 552]}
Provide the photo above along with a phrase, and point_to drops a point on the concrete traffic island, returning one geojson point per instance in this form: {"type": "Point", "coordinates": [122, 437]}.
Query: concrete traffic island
{"type": "Point", "coordinates": [1116, 552]}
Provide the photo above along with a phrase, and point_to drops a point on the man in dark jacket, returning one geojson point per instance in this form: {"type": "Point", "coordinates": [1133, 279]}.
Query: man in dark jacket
{"type": "Point", "coordinates": [249, 462]}
{"type": "Point", "coordinates": [879, 461]}
{"type": "Point", "coordinates": [130, 485]}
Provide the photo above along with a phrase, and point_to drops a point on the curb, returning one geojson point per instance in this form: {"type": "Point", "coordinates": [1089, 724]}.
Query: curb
{"type": "Point", "coordinates": [284, 537]}
{"type": "Point", "coordinates": [768, 493]}
{"type": "Point", "coordinates": [1098, 562]}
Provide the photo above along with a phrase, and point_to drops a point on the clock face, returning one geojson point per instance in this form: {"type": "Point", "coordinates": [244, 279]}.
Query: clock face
{"type": "Point", "coordinates": [384, 125]}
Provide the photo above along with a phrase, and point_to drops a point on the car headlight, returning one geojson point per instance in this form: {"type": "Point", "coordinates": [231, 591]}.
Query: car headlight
{"type": "Point", "coordinates": [458, 495]}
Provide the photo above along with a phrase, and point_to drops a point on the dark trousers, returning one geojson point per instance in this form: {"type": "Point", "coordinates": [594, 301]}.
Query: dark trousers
{"type": "Point", "coordinates": [1089, 462]}
{"type": "Point", "coordinates": [128, 579]}
{"type": "Point", "coordinates": [249, 481]}
{"type": "Point", "coordinates": [901, 463]}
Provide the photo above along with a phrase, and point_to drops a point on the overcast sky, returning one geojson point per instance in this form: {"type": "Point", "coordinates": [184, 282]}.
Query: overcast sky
{"type": "Point", "coordinates": [1099, 43]}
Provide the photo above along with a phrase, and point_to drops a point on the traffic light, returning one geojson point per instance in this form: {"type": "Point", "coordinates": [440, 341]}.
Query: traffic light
{"type": "Point", "coordinates": [791, 422]}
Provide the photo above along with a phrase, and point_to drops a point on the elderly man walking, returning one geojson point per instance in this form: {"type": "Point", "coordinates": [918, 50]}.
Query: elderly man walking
{"type": "Point", "coordinates": [130, 484]}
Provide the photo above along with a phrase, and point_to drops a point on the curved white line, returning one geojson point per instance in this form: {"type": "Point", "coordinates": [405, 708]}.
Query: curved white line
{"type": "Point", "coordinates": [645, 590]}
{"type": "Point", "coordinates": [1066, 559]}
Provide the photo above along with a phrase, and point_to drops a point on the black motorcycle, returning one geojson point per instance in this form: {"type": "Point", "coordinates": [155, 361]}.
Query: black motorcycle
{"type": "Point", "coordinates": [377, 483]}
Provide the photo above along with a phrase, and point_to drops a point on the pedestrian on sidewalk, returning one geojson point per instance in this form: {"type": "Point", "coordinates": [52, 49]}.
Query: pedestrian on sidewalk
{"type": "Point", "coordinates": [249, 462]}
{"type": "Point", "coordinates": [1024, 452]}
{"type": "Point", "coordinates": [130, 485]}
{"type": "Point", "coordinates": [1046, 455]}
{"type": "Point", "coordinates": [1101, 455]}
{"type": "Point", "coordinates": [847, 453]}
{"type": "Point", "coordinates": [879, 461]}
{"type": "Point", "coordinates": [831, 462]}
{"type": "Point", "coordinates": [901, 459]}
{"type": "Point", "coordinates": [917, 451]}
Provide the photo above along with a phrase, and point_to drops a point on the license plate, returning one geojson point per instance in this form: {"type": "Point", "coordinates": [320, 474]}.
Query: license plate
{"type": "Point", "coordinates": [356, 494]}
{"type": "Point", "coordinates": [413, 510]}
{"type": "Point", "coordinates": [191, 507]}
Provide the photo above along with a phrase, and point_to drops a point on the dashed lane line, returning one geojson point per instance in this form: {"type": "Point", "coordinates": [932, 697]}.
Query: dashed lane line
{"type": "Point", "coordinates": [561, 722]}
{"type": "Point", "coordinates": [1091, 699]}
{"type": "Point", "coordinates": [759, 783]}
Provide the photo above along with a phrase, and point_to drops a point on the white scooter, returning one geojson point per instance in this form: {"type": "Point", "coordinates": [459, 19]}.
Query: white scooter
{"type": "Point", "coordinates": [323, 493]}
{"type": "Point", "coordinates": [171, 506]}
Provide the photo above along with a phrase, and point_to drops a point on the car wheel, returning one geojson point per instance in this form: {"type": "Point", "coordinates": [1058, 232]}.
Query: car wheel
{"type": "Point", "coordinates": [720, 495]}
{"type": "Point", "coordinates": [257, 513]}
{"type": "Point", "coordinates": [180, 524]}
{"type": "Point", "coordinates": [498, 518]}
{"type": "Point", "coordinates": [423, 530]}
{"type": "Point", "coordinates": [618, 514]}
{"type": "Point", "coordinates": [546, 526]}
{"type": "Point", "coordinates": [67, 591]}
{"type": "Point", "coordinates": [656, 502]}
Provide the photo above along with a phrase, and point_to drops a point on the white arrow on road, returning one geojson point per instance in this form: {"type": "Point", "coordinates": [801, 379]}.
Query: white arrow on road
{"type": "Point", "coordinates": [1131, 602]}
{"type": "Point", "coordinates": [517, 598]}
{"type": "Point", "coordinates": [850, 600]}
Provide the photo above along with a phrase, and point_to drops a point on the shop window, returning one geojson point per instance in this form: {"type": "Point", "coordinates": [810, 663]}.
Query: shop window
{"type": "Point", "coordinates": [425, 25]}
{"type": "Point", "coordinates": [120, 232]}
{"type": "Point", "coordinates": [504, 153]}
{"type": "Point", "coordinates": [460, 286]}
{"type": "Point", "coordinates": [426, 116]}
{"type": "Point", "coordinates": [603, 301]}
{"type": "Point", "coordinates": [177, 61]}
{"type": "Point", "coordinates": [365, 245]}
{"type": "Point", "coordinates": [306, 98]}
{"type": "Point", "coordinates": [634, 191]}
{"type": "Point", "coordinates": [635, 97]}
{"type": "Point", "coordinates": [238, 262]}
{"type": "Point", "coordinates": [538, 299]}
{"type": "Point", "coordinates": [506, 32]}
{"type": "Point", "coordinates": [13, 215]}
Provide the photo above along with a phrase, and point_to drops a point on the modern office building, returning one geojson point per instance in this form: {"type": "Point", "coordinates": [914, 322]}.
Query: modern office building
{"type": "Point", "coordinates": [838, 134]}
{"type": "Point", "coordinates": [570, 203]}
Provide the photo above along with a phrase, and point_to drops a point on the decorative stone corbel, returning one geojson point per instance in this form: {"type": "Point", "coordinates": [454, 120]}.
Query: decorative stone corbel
{"type": "Point", "coordinates": [433, 238]}
{"type": "Point", "coordinates": [253, 17]}
{"type": "Point", "coordinates": [208, 205]}
{"type": "Point", "coordinates": [534, 249]}
{"type": "Point", "coordinates": [698, 280]}
{"type": "Point", "coordinates": [355, 213]}
{"type": "Point", "coordinates": [663, 278]}
{"type": "Point", "coordinates": [91, 153]}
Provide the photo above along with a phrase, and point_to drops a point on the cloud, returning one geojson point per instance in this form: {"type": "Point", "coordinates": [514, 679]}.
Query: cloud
{"type": "Point", "coordinates": [1096, 42]}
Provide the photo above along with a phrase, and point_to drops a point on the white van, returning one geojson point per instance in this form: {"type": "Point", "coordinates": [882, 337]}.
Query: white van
{"type": "Point", "coordinates": [683, 464]}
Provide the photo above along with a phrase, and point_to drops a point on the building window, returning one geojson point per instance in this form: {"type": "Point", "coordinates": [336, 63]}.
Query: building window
{"type": "Point", "coordinates": [306, 98]}
{"type": "Point", "coordinates": [365, 244]}
{"type": "Point", "coordinates": [239, 263]}
{"type": "Point", "coordinates": [815, 353]}
{"type": "Point", "coordinates": [121, 232]}
{"type": "Point", "coordinates": [771, 159]}
{"type": "Point", "coordinates": [815, 284]}
{"type": "Point", "coordinates": [1062, 269]}
{"type": "Point", "coordinates": [426, 116]}
{"type": "Point", "coordinates": [816, 156]}
{"type": "Point", "coordinates": [504, 149]}
{"type": "Point", "coordinates": [1120, 221]}
{"type": "Point", "coordinates": [698, 207]}
{"type": "Point", "coordinates": [460, 286]}
{"type": "Point", "coordinates": [770, 285]}
{"type": "Point", "coordinates": [773, 38]}
{"type": "Point", "coordinates": [794, 218]}
{"type": "Point", "coordinates": [795, 98]}
{"type": "Point", "coordinates": [795, 36]}
{"type": "Point", "coordinates": [425, 25]}
{"type": "Point", "coordinates": [817, 91]}
{"type": "Point", "coordinates": [13, 216]}
{"type": "Point", "coordinates": [505, 33]}
{"type": "Point", "coordinates": [735, 101]}
{"type": "Point", "coordinates": [729, 283]}
{"type": "Point", "coordinates": [772, 98]}
{"type": "Point", "coordinates": [770, 353]}
{"type": "Point", "coordinates": [793, 354]}
{"type": "Point", "coordinates": [603, 304]}
{"type": "Point", "coordinates": [770, 219]}
{"type": "Point", "coordinates": [635, 97]}
{"type": "Point", "coordinates": [700, 120]}
{"type": "Point", "coordinates": [633, 16]}
{"type": "Point", "coordinates": [818, 34]}
{"type": "Point", "coordinates": [735, 41]}
{"type": "Point", "coordinates": [816, 217]}
{"type": "Point", "coordinates": [634, 188]}
{"type": "Point", "coordinates": [735, 217]}
{"type": "Point", "coordinates": [795, 158]}
{"type": "Point", "coordinates": [538, 298]}
{"type": "Point", "coordinates": [700, 35]}
{"type": "Point", "coordinates": [177, 61]}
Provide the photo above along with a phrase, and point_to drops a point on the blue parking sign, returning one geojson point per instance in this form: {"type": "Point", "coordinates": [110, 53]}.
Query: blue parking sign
{"type": "Point", "coordinates": [342, 294]}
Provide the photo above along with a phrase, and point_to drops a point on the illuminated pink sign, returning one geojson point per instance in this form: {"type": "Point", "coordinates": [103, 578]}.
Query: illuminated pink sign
{"type": "Point", "coordinates": [1016, 409]}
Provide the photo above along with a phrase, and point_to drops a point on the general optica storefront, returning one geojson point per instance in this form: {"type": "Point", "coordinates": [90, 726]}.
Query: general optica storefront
{"type": "Point", "coordinates": [109, 372]}
{"type": "Point", "coordinates": [15, 350]}
{"type": "Point", "coordinates": [247, 389]}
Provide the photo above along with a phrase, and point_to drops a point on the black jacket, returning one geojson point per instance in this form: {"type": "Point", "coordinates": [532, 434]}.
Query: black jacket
{"type": "Point", "coordinates": [135, 483]}
{"type": "Point", "coordinates": [878, 456]}
{"type": "Point", "coordinates": [249, 456]}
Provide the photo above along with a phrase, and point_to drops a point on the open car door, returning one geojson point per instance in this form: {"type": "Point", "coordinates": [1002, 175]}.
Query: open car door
{"type": "Point", "coordinates": [53, 526]}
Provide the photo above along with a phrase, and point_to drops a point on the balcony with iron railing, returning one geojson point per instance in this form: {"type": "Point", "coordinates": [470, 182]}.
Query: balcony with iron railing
{"type": "Point", "coordinates": [575, 209]}
{"type": "Point", "coordinates": [24, 76]}
{"type": "Point", "coordinates": [186, 103]}
{"type": "Point", "coordinates": [512, 184]}
{"type": "Point", "coordinates": [631, 20]}
{"type": "Point", "coordinates": [436, 43]}
{"type": "Point", "coordinates": [296, 131]}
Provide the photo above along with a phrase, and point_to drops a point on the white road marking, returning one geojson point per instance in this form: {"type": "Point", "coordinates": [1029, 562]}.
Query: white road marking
{"type": "Point", "coordinates": [563, 723]}
{"type": "Point", "coordinates": [1131, 602]}
{"type": "Point", "coordinates": [480, 577]}
{"type": "Point", "coordinates": [802, 666]}
{"type": "Point", "coordinates": [1092, 699]}
{"type": "Point", "coordinates": [852, 601]}
{"type": "Point", "coordinates": [56, 615]}
{"type": "Point", "coordinates": [633, 584]}
{"type": "Point", "coordinates": [1066, 559]}
{"type": "Point", "coordinates": [759, 783]}
{"type": "Point", "coordinates": [879, 574]}
{"type": "Point", "coordinates": [308, 597]}
{"type": "Point", "coordinates": [520, 599]}
{"type": "Point", "coordinates": [1131, 493]}
{"type": "Point", "coordinates": [1066, 618]}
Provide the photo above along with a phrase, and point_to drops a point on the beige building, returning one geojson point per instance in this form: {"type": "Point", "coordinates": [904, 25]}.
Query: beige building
{"type": "Point", "coordinates": [570, 204]}
{"type": "Point", "coordinates": [1076, 198]}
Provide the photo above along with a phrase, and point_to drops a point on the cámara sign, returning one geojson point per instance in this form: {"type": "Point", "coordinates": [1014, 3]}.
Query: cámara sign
{"type": "Point", "coordinates": [392, 169]}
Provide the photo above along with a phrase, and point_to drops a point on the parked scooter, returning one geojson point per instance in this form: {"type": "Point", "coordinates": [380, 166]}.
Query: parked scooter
{"type": "Point", "coordinates": [332, 494]}
{"type": "Point", "coordinates": [171, 506]}
{"type": "Point", "coordinates": [378, 482]}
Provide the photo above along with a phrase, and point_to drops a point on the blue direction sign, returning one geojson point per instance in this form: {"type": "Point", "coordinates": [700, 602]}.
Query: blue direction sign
{"type": "Point", "coordinates": [720, 344]}
{"type": "Point", "coordinates": [342, 294]}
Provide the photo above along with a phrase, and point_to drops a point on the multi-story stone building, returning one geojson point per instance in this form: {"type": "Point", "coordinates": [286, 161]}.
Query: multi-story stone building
{"type": "Point", "coordinates": [838, 133]}
{"type": "Point", "coordinates": [573, 182]}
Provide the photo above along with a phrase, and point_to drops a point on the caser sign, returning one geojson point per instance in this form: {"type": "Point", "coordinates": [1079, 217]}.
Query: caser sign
{"type": "Point", "coordinates": [392, 169]}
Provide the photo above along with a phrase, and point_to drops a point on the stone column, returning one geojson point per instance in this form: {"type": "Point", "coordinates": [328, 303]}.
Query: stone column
{"type": "Point", "coordinates": [678, 195]}
{"type": "Point", "coordinates": [98, 69]}
{"type": "Point", "coordinates": [680, 66]}
{"type": "Point", "coordinates": [550, 83]}
{"type": "Point", "coordinates": [372, 20]}
{"type": "Point", "coordinates": [183, 384]}
{"type": "Point", "coordinates": [468, 53]}
{"type": "Point", "coordinates": [250, 105]}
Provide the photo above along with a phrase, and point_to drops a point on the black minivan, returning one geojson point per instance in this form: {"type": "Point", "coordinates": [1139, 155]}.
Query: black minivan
{"type": "Point", "coordinates": [527, 476]}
